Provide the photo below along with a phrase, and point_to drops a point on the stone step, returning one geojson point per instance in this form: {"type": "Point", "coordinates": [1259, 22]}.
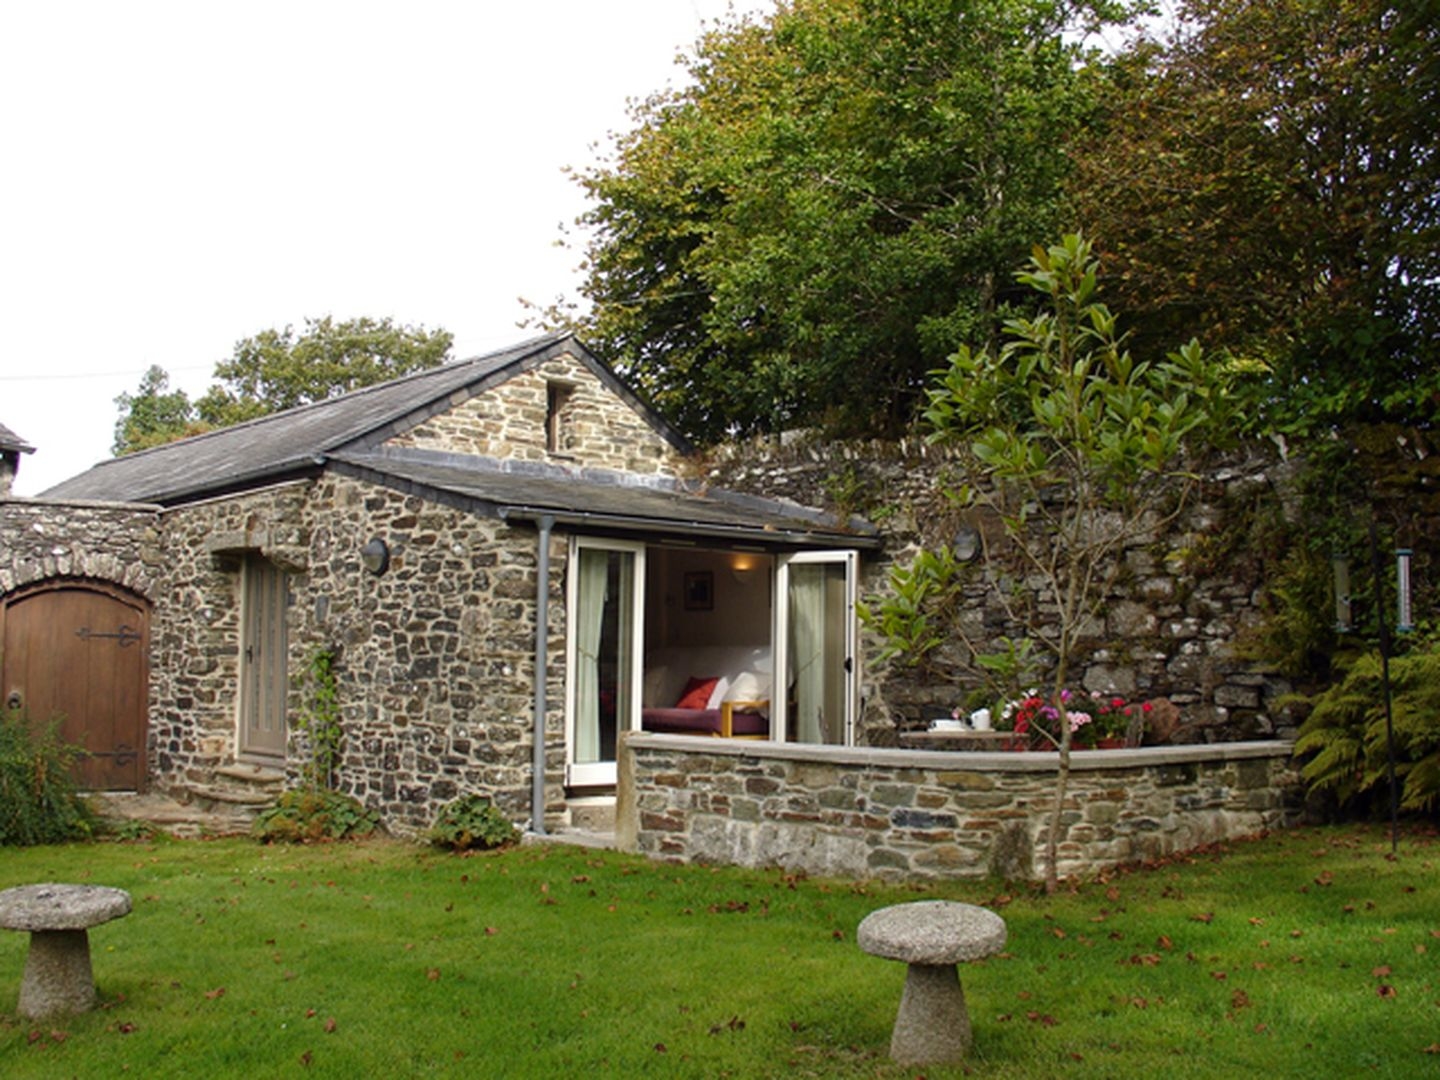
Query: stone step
{"type": "Point", "coordinates": [168, 815]}
{"type": "Point", "coordinates": [593, 814]}
{"type": "Point", "coordinates": [246, 775]}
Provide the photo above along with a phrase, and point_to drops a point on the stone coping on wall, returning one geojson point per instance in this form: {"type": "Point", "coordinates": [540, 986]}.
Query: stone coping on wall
{"type": "Point", "coordinates": [1003, 761]}
{"type": "Point", "coordinates": [918, 814]}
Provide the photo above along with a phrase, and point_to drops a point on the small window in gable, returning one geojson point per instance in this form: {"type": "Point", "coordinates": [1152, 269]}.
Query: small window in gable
{"type": "Point", "coordinates": [557, 400]}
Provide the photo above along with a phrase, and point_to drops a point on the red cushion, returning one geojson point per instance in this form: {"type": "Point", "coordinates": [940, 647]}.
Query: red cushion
{"type": "Point", "coordinates": [697, 693]}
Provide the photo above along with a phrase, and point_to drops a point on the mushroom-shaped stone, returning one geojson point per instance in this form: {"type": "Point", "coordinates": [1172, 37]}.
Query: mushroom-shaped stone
{"type": "Point", "coordinates": [58, 978]}
{"type": "Point", "coordinates": [932, 936]}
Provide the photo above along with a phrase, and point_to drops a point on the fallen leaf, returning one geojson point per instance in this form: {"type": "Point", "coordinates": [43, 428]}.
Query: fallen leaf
{"type": "Point", "coordinates": [306, 1058]}
{"type": "Point", "coordinates": [1325, 877]}
{"type": "Point", "coordinates": [1043, 1019]}
{"type": "Point", "coordinates": [330, 1023]}
{"type": "Point", "coordinates": [218, 992]}
{"type": "Point", "coordinates": [1433, 1048]}
{"type": "Point", "coordinates": [1239, 1000]}
{"type": "Point", "coordinates": [1219, 975]}
{"type": "Point", "coordinates": [1203, 916]}
{"type": "Point", "coordinates": [1381, 971]}
{"type": "Point", "coordinates": [1164, 942]}
{"type": "Point", "coordinates": [433, 974]}
{"type": "Point", "coordinates": [659, 1047]}
{"type": "Point", "coordinates": [1385, 990]}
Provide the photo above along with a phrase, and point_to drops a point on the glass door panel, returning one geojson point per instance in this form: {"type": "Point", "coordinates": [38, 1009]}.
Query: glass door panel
{"type": "Point", "coordinates": [815, 641]}
{"type": "Point", "coordinates": [604, 649]}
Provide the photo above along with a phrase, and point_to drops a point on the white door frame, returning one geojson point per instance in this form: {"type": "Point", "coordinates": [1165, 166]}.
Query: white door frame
{"type": "Point", "coordinates": [601, 773]}
{"type": "Point", "coordinates": [780, 704]}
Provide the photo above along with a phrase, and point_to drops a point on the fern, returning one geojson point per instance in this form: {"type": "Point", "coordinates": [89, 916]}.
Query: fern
{"type": "Point", "coordinates": [1346, 730]}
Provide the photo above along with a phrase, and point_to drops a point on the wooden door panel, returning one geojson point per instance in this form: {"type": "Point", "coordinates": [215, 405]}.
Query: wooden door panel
{"type": "Point", "coordinates": [77, 655]}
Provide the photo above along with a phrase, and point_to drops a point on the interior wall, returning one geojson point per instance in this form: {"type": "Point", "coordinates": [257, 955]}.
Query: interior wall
{"type": "Point", "coordinates": [740, 598]}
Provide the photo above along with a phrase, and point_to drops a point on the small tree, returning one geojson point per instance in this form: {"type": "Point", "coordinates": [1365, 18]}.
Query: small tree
{"type": "Point", "coordinates": [1084, 450]}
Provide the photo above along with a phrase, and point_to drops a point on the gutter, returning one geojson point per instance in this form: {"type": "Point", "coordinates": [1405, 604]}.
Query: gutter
{"type": "Point", "coordinates": [672, 526]}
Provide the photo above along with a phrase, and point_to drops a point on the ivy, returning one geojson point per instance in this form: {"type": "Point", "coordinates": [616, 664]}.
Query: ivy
{"type": "Point", "coordinates": [320, 719]}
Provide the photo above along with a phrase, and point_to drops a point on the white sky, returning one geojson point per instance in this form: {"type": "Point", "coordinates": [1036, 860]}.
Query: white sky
{"type": "Point", "coordinates": [177, 176]}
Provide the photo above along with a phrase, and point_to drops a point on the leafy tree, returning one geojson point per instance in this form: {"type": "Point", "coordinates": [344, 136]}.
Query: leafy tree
{"type": "Point", "coordinates": [278, 369]}
{"type": "Point", "coordinates": [1082, 450]}
{"type": "Point", "coordinates": [154, 414]}
{"type": "Point", "coordinates": [805, 229]}
{"type": "Point", "coordinates": [275, 370]}
{"type": "Point", "coordinates": [1270, 180]}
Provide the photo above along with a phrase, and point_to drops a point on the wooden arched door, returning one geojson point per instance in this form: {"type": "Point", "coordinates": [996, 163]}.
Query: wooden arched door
{"type": "Point", "coordinates": [78, 653]}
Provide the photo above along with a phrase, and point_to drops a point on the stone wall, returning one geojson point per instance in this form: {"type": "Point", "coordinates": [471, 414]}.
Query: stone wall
{"type": "Point", "coordinates": [1183, 601]}
{"type": "Point", "coordinates": [906, 814]}
{"type": "Point", "coordinates": [433, 658]}
{"type": "Point", "coordinates": [112, 542]}
{"type": "Point", "coordinates": [597, 428]}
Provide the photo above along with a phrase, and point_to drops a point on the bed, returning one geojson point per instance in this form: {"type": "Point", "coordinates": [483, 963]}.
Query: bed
{"type": "Point", "coordinates": [728, 700]}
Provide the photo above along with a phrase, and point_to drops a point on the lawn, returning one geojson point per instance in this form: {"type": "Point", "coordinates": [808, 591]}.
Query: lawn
{"type": "Point", "coordinates": [1305, 953]}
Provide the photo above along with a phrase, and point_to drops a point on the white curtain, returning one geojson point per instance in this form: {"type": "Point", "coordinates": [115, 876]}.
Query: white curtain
{"type": "Point", "coordinates": [590, 615]}
{"type": "Point", "coordinates": [807, 651]}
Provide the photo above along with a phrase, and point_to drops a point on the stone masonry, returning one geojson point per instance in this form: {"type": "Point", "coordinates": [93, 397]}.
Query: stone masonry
{"type": "Point", "coordinates": [596, 428]}
{"type": "Point", "coordinates": [905, 814]}
{"type": "Point", "coordinates": [1183, 600]}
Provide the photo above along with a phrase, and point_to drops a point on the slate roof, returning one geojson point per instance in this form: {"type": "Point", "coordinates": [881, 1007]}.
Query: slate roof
{"type": "Point", "coordinates": [607, 501]}
{"type": "Point", "coordinates": [347, 432]}
{"type": "Point", "coordinates": [10, 441]}
{"type": "Point", "coordinates": [297, 440]}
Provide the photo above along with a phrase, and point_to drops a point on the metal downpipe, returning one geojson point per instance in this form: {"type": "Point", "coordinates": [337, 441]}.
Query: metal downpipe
{"type": "Point", "coordinates": [542, 665]}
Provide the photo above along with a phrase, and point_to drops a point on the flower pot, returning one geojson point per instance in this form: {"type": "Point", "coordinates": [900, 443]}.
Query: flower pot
{"type": "Point", "coordinates": [1112, 742]}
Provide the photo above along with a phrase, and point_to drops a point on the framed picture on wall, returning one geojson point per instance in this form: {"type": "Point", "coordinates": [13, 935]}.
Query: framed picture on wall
{"type": "Point", "coordinates": [699, 590]}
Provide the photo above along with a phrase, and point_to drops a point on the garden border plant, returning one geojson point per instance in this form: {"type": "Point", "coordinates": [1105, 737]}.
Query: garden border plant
{"type": "Point", "coordinates": [39, 802]}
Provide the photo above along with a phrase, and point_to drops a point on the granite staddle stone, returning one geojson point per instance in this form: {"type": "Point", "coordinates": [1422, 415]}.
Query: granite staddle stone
{"type": "Point", "coordinates": [58, 978]}
{"type": "Point", "coordinates": [932, 936]}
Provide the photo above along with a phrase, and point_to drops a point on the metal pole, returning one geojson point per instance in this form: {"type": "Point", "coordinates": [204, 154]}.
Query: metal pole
{"type": "Point", "coordinates": [542, 665]}
{"type": "Point", "coordinates": [1377, 569]}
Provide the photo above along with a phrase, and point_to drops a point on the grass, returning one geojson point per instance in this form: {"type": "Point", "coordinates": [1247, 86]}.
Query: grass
{"type": "Point", "coordinates": [1305, 953]}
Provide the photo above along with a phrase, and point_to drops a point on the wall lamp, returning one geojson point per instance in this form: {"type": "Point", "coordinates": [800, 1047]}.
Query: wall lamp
{"type": "Point", "coordinates": [967, 543]}
{"type": "Point", "coordinates": [375, 556]}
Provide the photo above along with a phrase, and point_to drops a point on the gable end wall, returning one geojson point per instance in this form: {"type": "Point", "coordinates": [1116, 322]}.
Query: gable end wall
{"type": "Point", "coordinates": [601, 430]}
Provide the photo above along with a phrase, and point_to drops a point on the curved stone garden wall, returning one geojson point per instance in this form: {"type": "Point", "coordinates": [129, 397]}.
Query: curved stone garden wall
{"type": "Point", "coordinates": [903, 814]}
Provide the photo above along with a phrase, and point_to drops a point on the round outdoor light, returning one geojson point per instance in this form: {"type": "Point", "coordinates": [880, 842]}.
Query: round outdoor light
{"type": "Point", "coordinates": [967, 543]}
{"type": "Point", "coordinates": [375, 556]}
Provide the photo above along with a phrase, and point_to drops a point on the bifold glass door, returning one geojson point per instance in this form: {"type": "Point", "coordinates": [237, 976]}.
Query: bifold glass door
{"type": "Point", "coordinates": [815, 644]}
{"type": "Point", "coordinates": [604, 650]}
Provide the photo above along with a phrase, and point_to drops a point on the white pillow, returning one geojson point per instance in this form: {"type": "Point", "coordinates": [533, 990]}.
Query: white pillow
{"type": "Point", "coordinates": [722, 685]}
{"type": "Point", "coordinates": [654, 689]}
{"type": "Point", "coordinates": [749, 686]}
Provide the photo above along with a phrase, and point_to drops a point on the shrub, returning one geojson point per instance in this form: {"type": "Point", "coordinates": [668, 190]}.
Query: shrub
{"type": "Point", "coordinates": [1346, 730]}
{"type": "Point", "coordinates": [471, 821]}
{"type": "Point", "coordinates": [38, 802]}
{"type": "Point", "coordinates": [310, 814]}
